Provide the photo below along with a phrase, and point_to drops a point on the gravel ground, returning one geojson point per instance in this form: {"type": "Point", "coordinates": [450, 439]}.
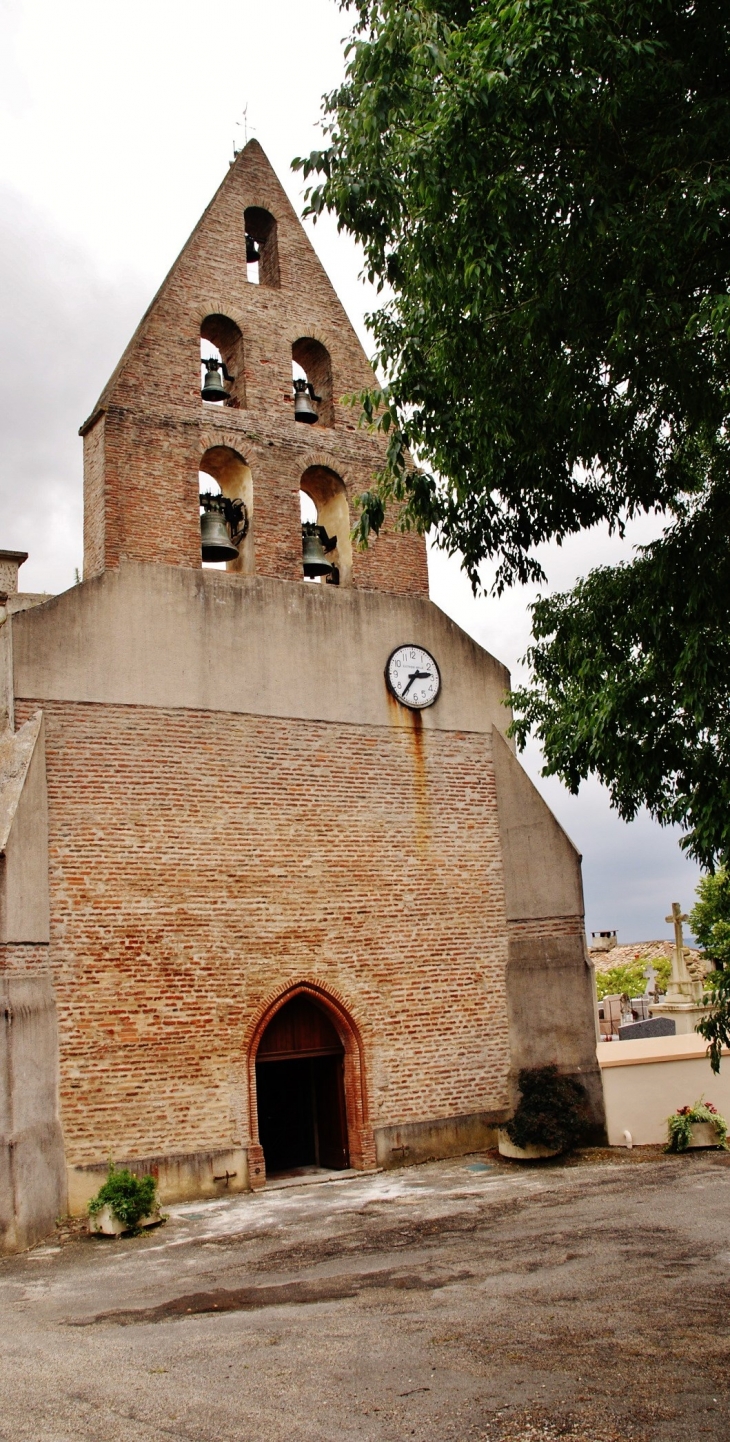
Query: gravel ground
{"type": "Point", "coordinates": [468, 1299]}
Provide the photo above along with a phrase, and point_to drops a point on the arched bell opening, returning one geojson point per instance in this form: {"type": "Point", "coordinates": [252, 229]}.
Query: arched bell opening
{"type": "Point", "coordinates": [226, 490]}
{"type": "Point", "coordinates": [222, 363]}
{"type": "Point", "coordinates": [312, 382]}
{"type": "Point", "coordinates": [308, 1103]}
{"type": "Point", "coordinates": [262, 250]}
{"type": "Point", "coordinates": [324, 508]}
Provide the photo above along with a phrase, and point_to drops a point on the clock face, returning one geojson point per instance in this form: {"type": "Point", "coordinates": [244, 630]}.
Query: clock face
{"type": "Point", "coordinates": [413, 676]}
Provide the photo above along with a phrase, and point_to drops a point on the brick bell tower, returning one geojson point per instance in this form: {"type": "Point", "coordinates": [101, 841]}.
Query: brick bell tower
{"type": "Point", "coordinates": [150, 433]}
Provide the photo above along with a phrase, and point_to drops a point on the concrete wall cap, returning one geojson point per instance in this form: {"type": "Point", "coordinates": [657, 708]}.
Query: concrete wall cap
{"type": "Point", "coordinates": [653, 1049]}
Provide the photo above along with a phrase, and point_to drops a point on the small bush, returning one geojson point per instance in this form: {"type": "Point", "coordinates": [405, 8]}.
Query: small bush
{"type": "Point", "coordinates": [629, 979]}
{"type": "Point", "coordinates": [552, 1110]}
{"type": "Point", "coordinates": [128, 1197]}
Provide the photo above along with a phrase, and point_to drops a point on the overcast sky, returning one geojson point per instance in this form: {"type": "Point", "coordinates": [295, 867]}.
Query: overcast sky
{"type": "Point", "coordinates": [118, 121]}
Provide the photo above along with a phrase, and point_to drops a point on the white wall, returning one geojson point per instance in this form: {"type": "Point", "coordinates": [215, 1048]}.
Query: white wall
{"type": "Point", "coordinates": [645, 1081]}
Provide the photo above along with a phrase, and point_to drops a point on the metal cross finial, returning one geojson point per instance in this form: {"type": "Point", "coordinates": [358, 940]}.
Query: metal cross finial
{"type": "Point", "coordinates": [242, 125]}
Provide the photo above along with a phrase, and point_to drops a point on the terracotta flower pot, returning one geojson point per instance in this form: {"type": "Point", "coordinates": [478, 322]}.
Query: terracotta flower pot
{"type": "Point", "coordinates": [524, 1154]}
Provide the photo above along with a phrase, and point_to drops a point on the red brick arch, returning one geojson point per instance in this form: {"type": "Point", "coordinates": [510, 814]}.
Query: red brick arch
{"type": "Point", "coordinates": [359, 1133]}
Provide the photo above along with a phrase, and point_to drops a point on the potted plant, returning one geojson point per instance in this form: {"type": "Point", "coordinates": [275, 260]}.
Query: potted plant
{"type": "Point", "coordinates": [125, 1203]}
{"type": "Point", "coordinates": [697, 1126]}
{"type": "Point", "coordinates": [551, 1116]}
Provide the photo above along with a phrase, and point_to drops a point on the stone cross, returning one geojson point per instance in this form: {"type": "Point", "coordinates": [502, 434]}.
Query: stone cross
{"type": "Point", "coordinates": [651, 976]}
{"type": "Point", "coordinates": [680, 977]}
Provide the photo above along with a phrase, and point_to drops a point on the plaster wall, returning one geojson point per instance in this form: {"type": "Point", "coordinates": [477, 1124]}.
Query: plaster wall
{"type": "Point", "coordinates": [24, 901]}
{"type": "Point", "coordinates": [32, 1172]}
{"type": "Point", "coordinates": [645, 1081]}
{"type": "Point", "coordinates": [552, 1012]}
{"type": "Point", "coordinates": [165, 636]}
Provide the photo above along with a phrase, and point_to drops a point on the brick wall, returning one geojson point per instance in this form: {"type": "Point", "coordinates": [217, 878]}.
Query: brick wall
{"type": "Point", "coordinates": [95, 508]}
{"type": "Point", "coordinates": [157, 427]}
{"type": "Point", "coordinates": [202, 862]}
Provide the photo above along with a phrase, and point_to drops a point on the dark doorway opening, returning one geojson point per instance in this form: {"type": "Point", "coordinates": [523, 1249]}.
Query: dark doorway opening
{"type": "Point", "coordinates": [300, 1090]}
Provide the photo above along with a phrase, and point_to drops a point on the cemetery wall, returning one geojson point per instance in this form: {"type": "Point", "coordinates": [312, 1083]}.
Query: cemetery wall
{"type": "Point", "coordinates": [645, 1081]}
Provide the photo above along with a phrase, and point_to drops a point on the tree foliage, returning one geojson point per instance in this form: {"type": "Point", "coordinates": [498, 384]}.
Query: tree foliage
{"type": "Point", "coordinates": [715, 1027]}
{"type": "Point", "coordinates": [543, 189]}
{"type": "Point", "coordinates": [710, 922]}
{"type": "Point", "coordinates": [543, 185]}
{"type": "Point", "coordinates": [709, 918]}
{"type": "Point", "coordinates": [629, 980]}
{"type": "Point", "coordinates": [630, 681]}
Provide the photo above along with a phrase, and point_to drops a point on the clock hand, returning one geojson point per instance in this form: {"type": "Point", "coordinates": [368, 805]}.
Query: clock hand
{"type": "Point", "coordinates": [416, 676]}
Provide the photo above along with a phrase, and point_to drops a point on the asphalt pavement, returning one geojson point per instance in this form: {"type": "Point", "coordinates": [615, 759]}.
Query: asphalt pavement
{"type": "Point", "coordinates": [467, 1299]}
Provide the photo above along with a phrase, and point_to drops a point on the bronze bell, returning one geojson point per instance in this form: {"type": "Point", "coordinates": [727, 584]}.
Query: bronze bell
{"type": "Point", "coordinates": [303, 408]}
{"type": "Point", "coordinates": [215, 537]}
{"type": "Point", "coordinates": [315, 545]}
{"type": "Point", "coordinates": [213, 387]}
{"type": "Point", "coordinates": [253, 255]}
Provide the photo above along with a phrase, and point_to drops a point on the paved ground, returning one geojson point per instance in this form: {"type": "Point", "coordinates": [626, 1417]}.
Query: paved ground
{"type": "Point", "coordinates": [458, 1300]}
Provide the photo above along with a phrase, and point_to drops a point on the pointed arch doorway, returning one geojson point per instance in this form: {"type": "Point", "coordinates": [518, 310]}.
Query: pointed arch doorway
{"type": "Point", "coordinates": [300, 1090]}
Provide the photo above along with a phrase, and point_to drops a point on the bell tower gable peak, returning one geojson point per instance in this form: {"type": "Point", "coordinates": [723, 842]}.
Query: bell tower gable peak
{"type": "Point", "coordinates": [236, 381]}
{"type": "Point", "coordinates": [250, 211]}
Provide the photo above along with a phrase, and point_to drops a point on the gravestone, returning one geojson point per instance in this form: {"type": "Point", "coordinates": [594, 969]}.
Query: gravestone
{"type": "Point", "coordinates": [653, 1026]}
{"type": "Point", "coordinates": [650, 990]}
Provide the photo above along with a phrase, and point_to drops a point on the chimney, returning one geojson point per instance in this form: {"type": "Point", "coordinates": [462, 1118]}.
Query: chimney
{"type": "Point", "coordinates": [10, 563]}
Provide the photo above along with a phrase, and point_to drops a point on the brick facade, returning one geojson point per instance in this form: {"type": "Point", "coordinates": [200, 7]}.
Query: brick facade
{"type": "Point", "coordinates": [186, 896]}
{"type": "Point", "coordinates": [146, 438]}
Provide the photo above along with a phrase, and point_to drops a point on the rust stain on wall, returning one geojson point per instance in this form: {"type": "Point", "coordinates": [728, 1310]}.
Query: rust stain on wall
{"type": "Point", "coordinates": [411, 723]}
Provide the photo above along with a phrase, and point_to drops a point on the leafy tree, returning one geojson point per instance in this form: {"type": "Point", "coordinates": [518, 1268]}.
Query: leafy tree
{"type": "Point", "coordinates": [629, 980]}
{"type": "Point", "coordinates": [715, 1027]}
{"type": "Point", "coordinates": [543, 185]}
{"type": "Point", "coordinates": [710, 922]}
{"type": "Point", "coordinates": [544, 188]}
{"type": "Point", "coordinates": [710, 918]}
{"type": "Point", "coordinates": [630, 680]}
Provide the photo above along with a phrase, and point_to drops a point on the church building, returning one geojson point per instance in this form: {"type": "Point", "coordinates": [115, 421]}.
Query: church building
{"type": "Point", "coordinates": [275, 892]}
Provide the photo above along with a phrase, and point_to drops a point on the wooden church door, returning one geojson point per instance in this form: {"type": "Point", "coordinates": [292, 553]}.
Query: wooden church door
{"type": "Point", "coordinates": [300, 1090]}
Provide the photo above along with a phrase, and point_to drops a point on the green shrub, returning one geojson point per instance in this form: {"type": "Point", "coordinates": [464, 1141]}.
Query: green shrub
{"type": "Point", "coordinates": [629, 979]}
{"type": "Point", "coordinates": [679, 1125]}
{"type": "Point", "coordinates": [128, 1197]}
{"type": "Point", "coordinates": [552, 1110]}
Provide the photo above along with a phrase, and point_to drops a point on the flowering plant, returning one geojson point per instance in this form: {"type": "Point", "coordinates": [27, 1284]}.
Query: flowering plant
{"type": "Point", "coordinates": [680, 1123]}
